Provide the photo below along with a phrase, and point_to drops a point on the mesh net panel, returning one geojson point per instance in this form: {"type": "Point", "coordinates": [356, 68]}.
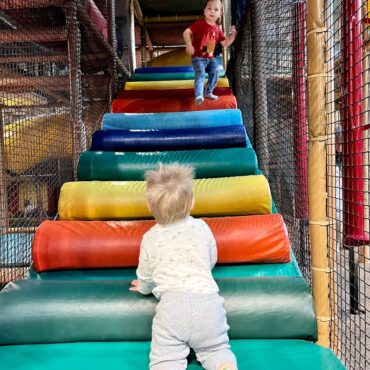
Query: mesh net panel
{"type": "Point", "coordinates": [265, 56]}
{"type": "Point", "coordinates": [58, 72]}
{"type": "Point", "coordinates": [269, 78]}
{"type": "Point", "coordinates": [57, 77]}
{"type": "Point", "coordinates": [347, 105]}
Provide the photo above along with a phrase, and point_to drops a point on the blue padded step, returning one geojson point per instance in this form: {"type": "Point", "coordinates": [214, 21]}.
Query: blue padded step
{"type": "Point", "coordinates": [164, 69]}
{"type": "Point", "coordinates": [161, 140]}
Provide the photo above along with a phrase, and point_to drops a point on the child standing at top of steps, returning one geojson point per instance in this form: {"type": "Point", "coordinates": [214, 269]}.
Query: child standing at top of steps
{"type": "Point", "coordinates": [175, 263]}
{"type": "Point", "coordinates": [201, 39]}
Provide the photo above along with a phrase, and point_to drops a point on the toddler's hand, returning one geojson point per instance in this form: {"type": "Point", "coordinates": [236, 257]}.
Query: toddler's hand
{"type": "Point", "coordinates": [234, 32]}
{"type": "Point", "coordinates": [190, 49]}
{"type": "Point", "coordinates": [134, 286]}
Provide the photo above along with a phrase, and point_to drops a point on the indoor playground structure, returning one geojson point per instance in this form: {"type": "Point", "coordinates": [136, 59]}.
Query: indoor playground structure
{"type": "Point", "coordinates": [95, 93]}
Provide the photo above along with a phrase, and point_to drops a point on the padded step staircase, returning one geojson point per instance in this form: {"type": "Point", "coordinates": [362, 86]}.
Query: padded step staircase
{"type": "Point", "coordinates": [75, 310]}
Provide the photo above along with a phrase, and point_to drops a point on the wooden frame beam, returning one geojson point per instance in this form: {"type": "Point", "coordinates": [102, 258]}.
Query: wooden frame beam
{"type": "Point", "coordinates": [48, 58]}
{"type": "Point", "coordinates": [22, 84]}
{"type": "Point", "coordinates": [47, 34]}
{"type": "Point", "coordinates": [172, 19]}
{"type": "Point", "coordinates": [20, 4]}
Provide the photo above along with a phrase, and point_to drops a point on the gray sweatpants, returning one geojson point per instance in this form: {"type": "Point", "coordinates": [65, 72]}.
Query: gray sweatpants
{"type": "Point", "coordinates": [189, 320]}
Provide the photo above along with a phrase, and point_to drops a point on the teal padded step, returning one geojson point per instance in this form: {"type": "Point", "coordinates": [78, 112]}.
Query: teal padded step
{"type": "Point", "coordinates": [168, 76]}
{"type": "Point", "coordinates": [131, 166]}
{"type": "Point", "coordinates": [172, 120]}
{"type": "Point", "coordinates": [219, 272]}
{"type": "Point", "coordinates": [35, 311]}
{"type": "Point", "coordinates": [251, 354]}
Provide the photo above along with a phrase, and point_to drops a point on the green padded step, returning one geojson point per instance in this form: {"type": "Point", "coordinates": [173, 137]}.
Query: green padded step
{"type": "Point", "coordinates": [251, 355]}
{"type": "Point", "coordinates": [131, 166]}
{"type": "Point", "coordinates": [35, 311]}
{"type": "Point", "coordinates": [220, 271]}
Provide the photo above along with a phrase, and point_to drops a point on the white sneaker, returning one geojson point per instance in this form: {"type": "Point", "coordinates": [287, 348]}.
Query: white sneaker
{"type": "Point", "coordinates": [211, 96]}
{"type": "Point", "coordinates": [199, 100]}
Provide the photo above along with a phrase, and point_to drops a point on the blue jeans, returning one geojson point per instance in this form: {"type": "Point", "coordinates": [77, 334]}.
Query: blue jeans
{"type": "Point", "coordinates": [201, 66]}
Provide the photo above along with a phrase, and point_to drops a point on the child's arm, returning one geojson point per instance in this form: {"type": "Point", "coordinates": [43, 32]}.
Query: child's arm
{"type": "Point", "coordinates": [212, 247]}
{"type": "Point", "coordinates": [144, 283]}
{"type": "Point", "coordinates": [229, 39]}
{"type": "Point", "coordinates": [213, 252]}
{"type": "Point", "coordinates": [188, 41]}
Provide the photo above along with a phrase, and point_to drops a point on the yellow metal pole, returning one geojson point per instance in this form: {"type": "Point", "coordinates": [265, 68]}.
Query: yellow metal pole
{"type": "Point", "coordinates": [317, 159]}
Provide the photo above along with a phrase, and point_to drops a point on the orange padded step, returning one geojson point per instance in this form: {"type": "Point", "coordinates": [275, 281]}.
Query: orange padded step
{"type": "Point", "coordinates": [171, 105]}
{"type": "Point", "coordinates": [114, 244]}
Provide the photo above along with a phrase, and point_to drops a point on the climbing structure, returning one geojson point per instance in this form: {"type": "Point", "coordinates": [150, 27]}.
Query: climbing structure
{"type": "Point", "coordinates": [75, 310]}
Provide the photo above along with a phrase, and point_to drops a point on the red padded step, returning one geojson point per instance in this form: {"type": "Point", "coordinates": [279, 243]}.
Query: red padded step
{"type": "Point", "coordinates": [178, 93]}
{"type": "Point", "coordinates": [171, 105]}
{"type": "Point", "coordinates": [68, 245]}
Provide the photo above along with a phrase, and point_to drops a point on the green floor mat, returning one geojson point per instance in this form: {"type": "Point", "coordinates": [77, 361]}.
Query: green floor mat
{"type": "Point", "coordinates": [251, 355]}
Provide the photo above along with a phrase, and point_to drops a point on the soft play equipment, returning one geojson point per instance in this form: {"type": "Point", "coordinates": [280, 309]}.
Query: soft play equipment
{"type": "Point", "coordinates": [99, 244]}
{"type": "Point", "coordinates": [74, 310]}
{"type": "Point", "coordinates": [178, 139]}
{"type": "Point", "coordinates": [171, 105]}
{"type": "Point", "coordinates": [97, 18]}
{"type": "Point", "coordinates": [158, 70]}
{"type": "Point", "coordinates": [172, 120]}
{"type": "Point", "coordinates": [228, 271]}
{"type": "Point", "coordinates": [53, 141]}
{"type": "Point", "coordinates": [164, 69]}
{"type": "Point", "coordinates": [169, 76]}
{"type": "Point", "coordinates": [160, 85]}
{"type": "Point", "coordinates": [167, 94]}
{"type": "Point", "coordinates": [131, 166]}
{"type": "Point", "coordinates": [174, 58]}
{"type": "Point", "coordinates": [108, 311]}
{"type": "Point", "coordinates": [94, 200]}
{"type": "Point", "coordinates": [266, 354]}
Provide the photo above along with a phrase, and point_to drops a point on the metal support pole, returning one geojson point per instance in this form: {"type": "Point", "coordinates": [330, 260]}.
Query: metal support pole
{"type": "Point", "coordinates": [353, 176]}
{"type": "Point", "coordinates": [331, 173]}
{"type": "Point", "coordinates": [113, 42]}
{"type": "Point", "coordinates": [79, 143]}
{"type": "Point", "coordinates": [260, 87]}
{"type": "Point", "coordinates": [300, 111]}
{"type": "Point", "coordinates": [354, 284]}
{"type": "Point", "coordinates": [143, 46]}
{"type": "Point", "coordinates": [133, 37]}
{"type": "Point", "coordinates": [4, 212]}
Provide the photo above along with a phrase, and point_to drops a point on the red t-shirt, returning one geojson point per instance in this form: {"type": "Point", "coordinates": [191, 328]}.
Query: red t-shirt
{"type": "Point", "coordinates": [205, 38]}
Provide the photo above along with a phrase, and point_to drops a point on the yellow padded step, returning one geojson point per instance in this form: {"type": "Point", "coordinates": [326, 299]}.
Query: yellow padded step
{"type": "Point", "coordinates": [166, 85]}
{"type": "Point", "coordinates": [177, 57]}
{"type": "Point", "coordinates": [115, 200]}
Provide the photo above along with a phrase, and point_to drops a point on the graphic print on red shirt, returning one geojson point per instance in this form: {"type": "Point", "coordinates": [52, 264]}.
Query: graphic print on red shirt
{"type": "Point", "coordinates": [205, 38]}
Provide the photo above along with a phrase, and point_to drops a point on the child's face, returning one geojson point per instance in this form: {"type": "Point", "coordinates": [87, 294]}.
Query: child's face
{"type": "Point", "coordinates": [212, 11]}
